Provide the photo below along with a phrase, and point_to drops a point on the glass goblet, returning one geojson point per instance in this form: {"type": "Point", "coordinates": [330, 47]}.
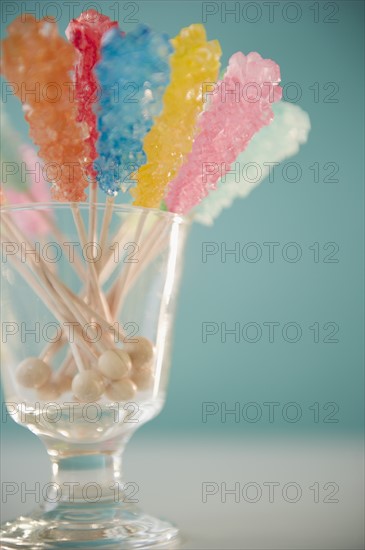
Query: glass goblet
{"type": "Point", "coordinates": [88, 301]}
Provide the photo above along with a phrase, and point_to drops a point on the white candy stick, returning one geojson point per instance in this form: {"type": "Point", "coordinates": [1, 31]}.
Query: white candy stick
{"type": "Point", "coordinates": [102, 302]}
{"type": "Point", "coordinates": [46, 292]}
{"type": "Point", "coordinates": [108, 213]}
{"type": "Point", "coordinates": [76, 263]}
{"type": "Point", "coordinates": [121, 282]}
{"type": "Point", "coordinates": [92, 231]}
{"type": "Point", "coordinates": [109, 263]}
{"type": "Point", "coordinates": [49, 351]}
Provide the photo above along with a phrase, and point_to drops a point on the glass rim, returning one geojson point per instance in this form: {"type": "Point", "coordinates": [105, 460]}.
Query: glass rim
{"type": "Point", "coordinates": [85, 205]}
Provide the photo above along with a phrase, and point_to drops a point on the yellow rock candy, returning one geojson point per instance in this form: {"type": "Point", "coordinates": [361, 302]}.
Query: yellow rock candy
{"type": "Point", "coordinates": [194, 63]}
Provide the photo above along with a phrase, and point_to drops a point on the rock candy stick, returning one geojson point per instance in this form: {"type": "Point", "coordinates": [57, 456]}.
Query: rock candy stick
{"type": "Point", "coordinates": [85, 33]}
{"type": "Point", "coordinates": [43, 290]}
{"type": "Point", "coordinates": [38, 64]}
{"type": "Point", "coordinates": [128, 269]}
{"type": "Point", "coordinates": [194, 62]}
{"type": "Point", "coordinates": [133, 73]}
{"type": "Point", "coordinates": [34, 189]}
{"type": "Point", "coordinates": [66, 302]}
{"type": "Point", "coordinates": [272, 144]}
{"type": "Point", "coordinates": [226, 127]}
{"type": "Point", "coordinates": [93, 284]}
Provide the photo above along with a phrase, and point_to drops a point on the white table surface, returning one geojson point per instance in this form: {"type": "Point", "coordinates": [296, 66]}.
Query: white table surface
{"type": "Point", "coordinates": [170, 472]}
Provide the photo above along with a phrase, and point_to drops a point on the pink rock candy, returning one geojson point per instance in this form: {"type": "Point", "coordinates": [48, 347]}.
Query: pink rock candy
{"type": "Point", "coordinates": [31, 222]}
{"type": "Point", "coordinates": [226, 127]}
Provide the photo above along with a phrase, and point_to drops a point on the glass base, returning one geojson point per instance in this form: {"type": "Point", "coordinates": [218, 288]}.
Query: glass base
{"type": "Point", "coordinates": [98, 525]}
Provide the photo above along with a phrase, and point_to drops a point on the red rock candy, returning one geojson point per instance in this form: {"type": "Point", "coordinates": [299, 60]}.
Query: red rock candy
{"type": "Point", "coordinates": [85, 33]}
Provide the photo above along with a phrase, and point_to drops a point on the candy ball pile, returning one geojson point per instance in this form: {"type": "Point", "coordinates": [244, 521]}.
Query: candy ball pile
{"type": "Point", "coordinates": [117, 375]}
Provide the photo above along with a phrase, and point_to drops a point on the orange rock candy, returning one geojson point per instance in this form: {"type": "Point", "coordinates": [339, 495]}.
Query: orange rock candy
{"type": "Point", "coordinates": [37, 62]}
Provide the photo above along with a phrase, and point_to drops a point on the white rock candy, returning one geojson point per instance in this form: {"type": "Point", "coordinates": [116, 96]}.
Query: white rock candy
{"type": "Point", "coordinates": [274, 143]}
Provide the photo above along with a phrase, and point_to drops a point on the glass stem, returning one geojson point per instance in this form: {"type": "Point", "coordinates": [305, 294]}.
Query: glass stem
{"type": "Point", "coordinates": [86, 477]}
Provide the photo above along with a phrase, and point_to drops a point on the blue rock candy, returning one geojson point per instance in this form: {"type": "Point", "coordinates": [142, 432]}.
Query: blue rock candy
{"type": "Point", "coordinates": [133, 73]}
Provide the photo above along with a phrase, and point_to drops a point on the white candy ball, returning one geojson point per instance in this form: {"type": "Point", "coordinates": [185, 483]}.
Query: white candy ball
{"type": "Point", "coordinates": [140, 352]}
{"type": "Point", "coordinates": [33, 373]}
{"type": "Point", "coordinates": [49, 391]}
{"type": "Point", "coordinates": [64, 383]}
{"type": "Point", "coordinates": [88, 386]}
{"type": "Point", "coordinates": [125, 357]}
{"type": "Point", "coordinates": [114, 364]}
{"type": "Point", "coordinates": [143, 378]}
{"type": "Point", "coordinates": [121, 390]}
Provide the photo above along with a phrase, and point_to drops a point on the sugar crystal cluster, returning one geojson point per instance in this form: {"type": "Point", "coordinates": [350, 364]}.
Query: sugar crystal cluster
{"type": "Point", "coordinates": [148, 116]}
{"type": "Point", "coordinates": [194, 63]}
{"type": "Point", "coordinates": [133, 73]}
{"type": "Point", "coordinates": [226, 127]}
{"type": "Point", "coordinates": [39, 63]}
{"type": "Point", "coordinates": [272, 144]}
{"type": "Point", "coordinates": [85, 33]}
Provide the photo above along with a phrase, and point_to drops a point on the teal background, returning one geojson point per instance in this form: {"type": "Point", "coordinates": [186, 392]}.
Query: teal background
{"type": "Point", "coordinates": [304, 212]}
